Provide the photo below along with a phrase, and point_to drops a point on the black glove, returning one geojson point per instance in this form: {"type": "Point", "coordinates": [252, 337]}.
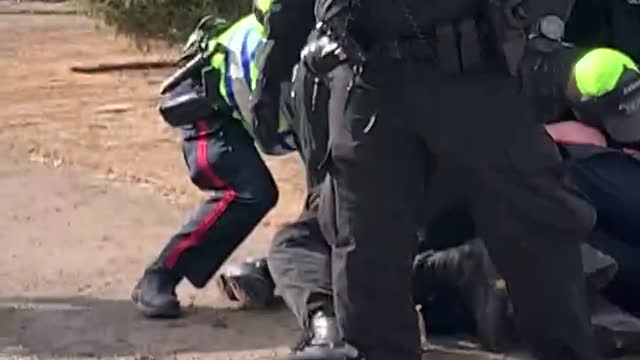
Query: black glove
{"type": "Point", "coordinates": [265, 108]}
{"type": "Point", "coordinates": [547, 57]}
{"type": "Point", "coordinates": [545, 76]}
{"type": "Point", "coordinates": [323, 55]}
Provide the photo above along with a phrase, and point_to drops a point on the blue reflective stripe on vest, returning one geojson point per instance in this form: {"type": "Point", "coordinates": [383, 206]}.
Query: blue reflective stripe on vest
{"type": "Point", "coordinates": [228, 84]}
{"type": "Point", "coordinates": [255, 49]}
{"type": "Point", "coordinates": [246, 58]}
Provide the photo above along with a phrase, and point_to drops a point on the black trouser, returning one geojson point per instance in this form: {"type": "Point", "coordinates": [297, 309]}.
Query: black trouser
{"type": "Point", "coordinates": [523, 203]}
{"type": "Point", "coordinates": [309, 98]}
{"type": "Point", "coordinates": [610, 181]}
{"type": "Point", "coordinates": [298, 258]}
{"type": "Point", "coordinates": [608, 178]}
{"type": "Point", "coordinates": [222, 158]}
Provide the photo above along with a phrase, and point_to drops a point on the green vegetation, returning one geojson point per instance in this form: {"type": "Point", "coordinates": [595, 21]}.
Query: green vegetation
{"type": "Point", "coordinates": [167, 20]}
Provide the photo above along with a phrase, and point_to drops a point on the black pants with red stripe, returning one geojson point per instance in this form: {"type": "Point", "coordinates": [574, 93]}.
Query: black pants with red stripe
{"type": "Point", "coordinates": [222, 158]}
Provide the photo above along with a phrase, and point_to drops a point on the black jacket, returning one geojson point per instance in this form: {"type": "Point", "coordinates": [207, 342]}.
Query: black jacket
{"type": "Point", "coordinates": [287, 26]}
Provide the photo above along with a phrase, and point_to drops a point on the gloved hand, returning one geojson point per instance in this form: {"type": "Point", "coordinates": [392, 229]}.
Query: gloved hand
{"type": "Point", "coordinates": [524, 38]}
{"type": "Point", "coordinates": [288, 141]}
{"type": "Point", "coordinates": [544, 77]}
{"type": "Point", "coordinates": [265, 108]}
{"type": "Point", "coordinates": [323, 55]}
{"type": "Point", "coordinates": [286, 145]}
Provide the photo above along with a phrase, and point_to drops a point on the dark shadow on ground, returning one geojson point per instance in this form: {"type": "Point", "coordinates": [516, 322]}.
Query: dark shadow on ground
{"type": "Point", "coordinates": [90, 327]}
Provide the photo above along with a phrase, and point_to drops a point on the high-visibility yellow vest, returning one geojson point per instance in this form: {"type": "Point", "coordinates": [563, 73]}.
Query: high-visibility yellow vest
{"type": "Point", "coordinates": [238, 69]}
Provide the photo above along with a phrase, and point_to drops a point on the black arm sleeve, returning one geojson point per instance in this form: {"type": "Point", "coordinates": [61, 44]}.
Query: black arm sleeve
{"type": "Point", "coordinates": [625, 22]}
{"type": "Point", "coordinates": [287, 25]}
{"type": "Point", "coordinates": [538, 8]}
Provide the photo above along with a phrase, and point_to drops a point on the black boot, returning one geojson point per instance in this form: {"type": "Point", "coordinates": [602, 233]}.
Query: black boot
{"type": "Point", "coordinates": [155, 294]}
{"type": "Point", "coordinates": [249, 283]}
{"type": "Point", "coordinates": [470, 271]}
{"type": "Point", "coordinates": [617, 332]}
{"type": "Point", "coordinates": [322, 341]}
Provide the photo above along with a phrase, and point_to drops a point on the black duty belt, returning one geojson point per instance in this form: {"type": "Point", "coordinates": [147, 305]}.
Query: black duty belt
{"type": "Point", "coordinates": [456, 47]}
{"type": "Point", "coordinates": [414, 49]}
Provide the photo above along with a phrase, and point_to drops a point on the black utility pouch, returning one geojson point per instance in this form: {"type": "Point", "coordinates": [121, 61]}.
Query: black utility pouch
{"type": "Point", "coordinates": [186, 108]}
{"type": "Point", "coordinates": [190, 102]}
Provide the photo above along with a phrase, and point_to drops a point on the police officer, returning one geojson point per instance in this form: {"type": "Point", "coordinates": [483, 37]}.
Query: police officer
{"type": "Point", "coordinates": [250, 282]}
{"type": "Point", "coordinates": [417, 78]}
{"type": "Point", "coordinates": [299, 253]}
{"type": "Point", "coordinates": [211, 108]}
{"type": "Point", "coordinates": [299, 249]}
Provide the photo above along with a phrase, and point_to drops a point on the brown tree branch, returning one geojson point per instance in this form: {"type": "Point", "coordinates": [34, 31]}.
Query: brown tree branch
{"type": "Point", "coordinates": [129, 65]}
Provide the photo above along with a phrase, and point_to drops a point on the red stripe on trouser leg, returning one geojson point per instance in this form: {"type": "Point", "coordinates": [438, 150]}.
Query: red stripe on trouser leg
{"type": "Point", "coordinates": [202, 157]}
{"type": "Point", "coordinates": [218, 209]}
{"type": "Point", "coordinates": [195, 237]}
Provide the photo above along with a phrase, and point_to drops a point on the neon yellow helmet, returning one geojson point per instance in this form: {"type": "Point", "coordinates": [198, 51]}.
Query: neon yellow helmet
{"type": "Point", "coordinates": [609, 83]}
{"type": "Point", "coordinates": [599, 71]}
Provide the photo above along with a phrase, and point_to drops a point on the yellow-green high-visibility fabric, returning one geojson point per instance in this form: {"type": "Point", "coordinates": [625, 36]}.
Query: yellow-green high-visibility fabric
{"type": "Point", "coordinates": [237, 66]}
{"type": "Point", "coordinates": [240, 43]}
{"type": "Point", "coordinates": [598, 72]}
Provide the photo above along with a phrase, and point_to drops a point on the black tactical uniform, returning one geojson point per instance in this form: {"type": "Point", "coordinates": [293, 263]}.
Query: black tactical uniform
{"type": "Point", "coordinates": [287, 25]}
{"type": "Point", "coordinates": [298, 255]}
{"type": "Point", "coordinates": [299, 250]}
{"type": "Point", "coordinates": [402, 103]}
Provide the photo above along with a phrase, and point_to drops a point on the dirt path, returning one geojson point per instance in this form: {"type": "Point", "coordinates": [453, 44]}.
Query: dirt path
{"type": "Point", "coordinates": [74, 244]}
{"type": "Point", "coordinates": [106, 123]}
{"type": "Point", "coordinates": [68, 263]}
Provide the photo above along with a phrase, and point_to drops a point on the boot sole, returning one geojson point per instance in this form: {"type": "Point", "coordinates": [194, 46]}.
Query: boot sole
{"type": "Point", "coordinates": [319, 354]}
{"type": "Point", "coordinates": [167, 312]}
{"type": "Point", "coordinates": [251, 292]}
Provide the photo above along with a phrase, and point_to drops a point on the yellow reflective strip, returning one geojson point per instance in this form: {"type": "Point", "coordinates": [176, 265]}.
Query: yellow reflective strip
{"type": "Point", "coordinates": [217, 61]}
